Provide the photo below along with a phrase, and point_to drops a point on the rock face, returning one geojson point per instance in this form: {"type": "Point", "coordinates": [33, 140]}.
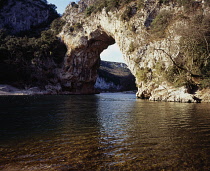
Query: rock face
{"type": "Point", "coordinates": [149, 55]}
{"type": "Point", "coordinates": [22, 15]}
{"type": "Point", "coordinates": [113, 77]}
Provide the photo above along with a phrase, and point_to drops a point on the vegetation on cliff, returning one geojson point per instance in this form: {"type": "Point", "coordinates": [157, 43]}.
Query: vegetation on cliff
{"type": "Point", "coordinates": [192, 66]}
{"type": "Point", "coordinates": [24, 53]}
{"type": "Point", "coordinates": [192, 63]}
{"type": "Point", "coordinates": [26, 17]}
{"type": "Point", "coordinates": [98, 5]}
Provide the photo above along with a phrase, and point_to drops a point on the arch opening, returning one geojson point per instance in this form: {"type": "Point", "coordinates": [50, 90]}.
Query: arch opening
{"type": "Point", "coordinates": [112, 54]}
{"type": "Point", "coordinates": [82, 64]}
{"type": "Point", "coordinates": [113, 73]}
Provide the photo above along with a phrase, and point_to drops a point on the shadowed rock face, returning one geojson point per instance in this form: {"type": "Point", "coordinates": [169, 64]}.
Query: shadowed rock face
{"type": "Point", "coordinates": [81, 63]}
{"type": "Point", "coordinates": [21, 15]}
{"type": "Point", "coordinates": [87, 36]}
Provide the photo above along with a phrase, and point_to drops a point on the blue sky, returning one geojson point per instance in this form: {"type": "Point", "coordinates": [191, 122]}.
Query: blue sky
{"type": "Point", "coordinates": [61, 4]}
{"type": "Point", "coordinates": [112, 53]}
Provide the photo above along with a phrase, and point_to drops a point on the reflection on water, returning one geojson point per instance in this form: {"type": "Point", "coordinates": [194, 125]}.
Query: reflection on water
{"type": "Point", "coordinates": [102, 132]}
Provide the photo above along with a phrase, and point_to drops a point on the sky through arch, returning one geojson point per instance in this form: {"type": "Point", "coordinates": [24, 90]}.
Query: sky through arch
{"type": "Point", "coordinates": [112, 53]}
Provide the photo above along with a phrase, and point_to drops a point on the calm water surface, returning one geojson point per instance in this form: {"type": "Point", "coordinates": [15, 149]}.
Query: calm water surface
{"type": "Point", "coordinates": [102, 132]}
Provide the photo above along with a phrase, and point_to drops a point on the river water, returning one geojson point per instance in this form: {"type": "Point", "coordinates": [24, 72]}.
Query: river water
{"type": "Point", "coordinates": [112, 131]}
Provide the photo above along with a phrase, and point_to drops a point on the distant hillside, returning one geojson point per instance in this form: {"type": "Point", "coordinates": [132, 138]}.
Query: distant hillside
{"type": "Point", "coordinates": [114, 76]}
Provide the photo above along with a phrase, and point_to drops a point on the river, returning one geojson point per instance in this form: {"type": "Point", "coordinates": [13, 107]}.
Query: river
{"type": "Point", "coordinates": [108, 131]}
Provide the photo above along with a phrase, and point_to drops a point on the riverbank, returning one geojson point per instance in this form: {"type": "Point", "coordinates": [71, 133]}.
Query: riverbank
{"type": "Point", "coordinates": [10, 90]}
{"type": "Point", "coordinates": [6, 90]}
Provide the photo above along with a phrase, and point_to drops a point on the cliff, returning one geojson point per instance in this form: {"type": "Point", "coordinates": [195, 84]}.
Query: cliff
{"type": "Point", "coordinates": [114, 76]}
{"type": "Point", "coordinates": [24, 15]}
{"type": "Point", "coordinates": [30, 52]}
{"type": "Point", "coordinates": [164, 43]}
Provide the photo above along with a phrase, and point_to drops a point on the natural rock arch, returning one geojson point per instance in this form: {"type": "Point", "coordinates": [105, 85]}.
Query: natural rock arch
{"type": "Point", "coordinates": [81, 63]}
{"type": "Point", "coordinates": [85, 38]}
{"type": "Point", "coordinates": [148, 55]}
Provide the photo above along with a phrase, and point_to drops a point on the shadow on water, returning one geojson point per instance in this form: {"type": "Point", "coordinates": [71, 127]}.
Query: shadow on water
{"type": "Point", "coordinates": [24, 117]}
{"type": "Point", "coordinates": [48, 132]}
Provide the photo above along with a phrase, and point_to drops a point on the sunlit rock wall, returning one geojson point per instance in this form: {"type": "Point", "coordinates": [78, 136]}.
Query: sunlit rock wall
{"type": "Point", "coordinates": [87, 36]}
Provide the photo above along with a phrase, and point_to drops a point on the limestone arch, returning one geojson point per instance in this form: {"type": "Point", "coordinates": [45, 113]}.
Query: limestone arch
{"type": "Point", "coordinates": [79, 73]}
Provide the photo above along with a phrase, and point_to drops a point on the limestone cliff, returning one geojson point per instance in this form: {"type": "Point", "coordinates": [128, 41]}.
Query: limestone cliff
{"type": "Point", "coordinates": [153, 37]}
{"type": "Point", "coordinates": [113, 77]}
{"type": "Point", "coordinates": [23, 15]}
{"type": "Point", "coordinates": [30, 52]}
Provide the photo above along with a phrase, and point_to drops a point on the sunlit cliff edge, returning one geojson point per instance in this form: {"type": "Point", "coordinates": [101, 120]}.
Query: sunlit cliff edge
{"type": "Point", "coordinates": [164, 43]}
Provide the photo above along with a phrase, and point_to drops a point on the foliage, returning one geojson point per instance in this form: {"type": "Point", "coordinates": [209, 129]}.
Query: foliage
{"type": "Point", "coordinates": [207, 3]}
{"type": "Point", "coordinates": [185, 3]}
{"type": "Point", "coordinates": [3, 2]}
{"type": "Point", "coordinates": [76, 26]}
{"type": "Point", "coordinates": [57, 25]}
{"type": "Point", "coordinates": [160, 24]}
{"type": "Point", "coordinates": [107, 4]}
{"type": "Point", "coordinates": [127, 14]}
{"type": "Point", "coordinates": [159, 68]}
{"type": "Point", "coordinates": [141, 74]}
{"type": "Point", "coordinates": [23, 55]}
{"type": "Point", "coordinates": [205, 83]}
{"type": "Point", "coordinates": [140, 4]}
{"type": "Point", "coordinates": [131, 47]}
{"type": "Point", "coordinates": [113, 4]}
{"type": "Point", "coordinates": [175, 76]}
{"type": "Point", "coordinates": [24, 49]}
{"type": "Point", "coordinates": [195, 44]}
{"type": "Point", "coordinates": [89, 10]}
{"type": "Point", "coordinates": [193, 60]}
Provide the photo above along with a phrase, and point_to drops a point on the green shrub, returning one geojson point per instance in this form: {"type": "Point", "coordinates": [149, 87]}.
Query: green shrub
{"type": "Point", "coordinates": [185, 3]}
{"type": "Point", "coordinates": [131, 47]}
{"type": "Point", "coordinates": [99, 5]}
{"type": "Point", "coordinates": [89, 10]}
{"type": "Point", "coordinates": [159, 68]}
{"type": "Point", "coordinates": [141, 74]}
{"type": "Point", "coordinates": [175, 76]}
{"type": "Point", "coordinates": [76, 27]}
{"type": "Point", "coordinates": [22, 50]}
{"type": "Point", "coordinates": [205, 83]}
{"type": "Point", "coordinates": [160, 24]}
{"type": "Point", "coordinates": [111, 4]}
{"type": "Point", "coordinates": [108, 4]}
{"type": "Point", "coordinates": [164, 1]}
{"type": "Point", "coordinates": [57, 25]}
{"type": "Point", "coordinates": [195, 44]}
{"type": "Point", "coordinates": [127, 14]}
{"type": "Point", "coordinates": [207, 3]}
{"type": "Point", "coordinates": [140, 4]}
